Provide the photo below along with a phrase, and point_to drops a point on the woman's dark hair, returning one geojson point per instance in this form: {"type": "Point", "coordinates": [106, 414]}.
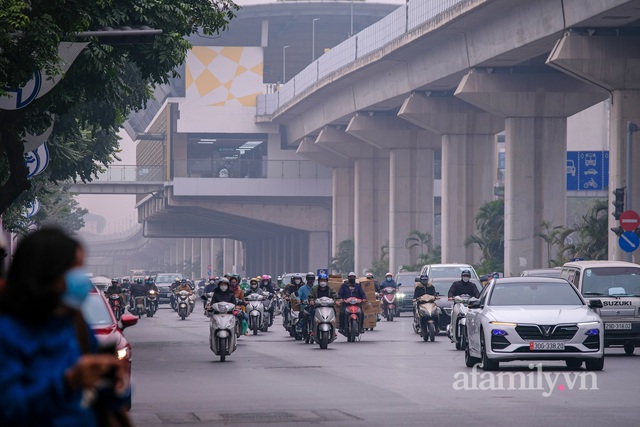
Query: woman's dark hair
{"type": "Point", "coordinates": [40, 259]}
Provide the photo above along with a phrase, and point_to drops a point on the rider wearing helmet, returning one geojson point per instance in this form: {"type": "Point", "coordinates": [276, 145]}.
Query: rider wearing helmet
{"type": "Point", "coordinates": [115, 289]}
{"type": "Point", "coordinates": [388, 282]}
{"type": "Point", "coordinates": [351, 288]}
{"type": "Point", "coordinates": [223, 292]}
{"type": "Point", "coordinates": [464, 286]}
{"type": "Point", "coordinates": [322, 289]}
{"type": "Point", "coordinates": [137, 290]}
{"type": "Point", "coordinates": [211, 286]}
{"type": "Point", "coordinates": [234, 281]}
{"type": "Point", "coordinates": [376, 284]}
{"type": "Point", "coordinates": [303, 294]}
{"type": "Point", "coordinates": [254, 287]}
{"type": "Point", "coordinates": [423, 287]}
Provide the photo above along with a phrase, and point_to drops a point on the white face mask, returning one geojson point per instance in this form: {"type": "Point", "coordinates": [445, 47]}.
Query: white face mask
{"type": "Point", "coordinates": [224, 288]}
{"type": "Point", "coordinates": [465, 279]}
{"type": "Point", "coordinates": [323, 284]}
{"type": "Point", "coordinates": [297, 281]}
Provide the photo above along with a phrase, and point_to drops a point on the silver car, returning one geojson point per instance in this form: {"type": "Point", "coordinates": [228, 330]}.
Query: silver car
{"type": "Point", "coordinates": [533, 318]}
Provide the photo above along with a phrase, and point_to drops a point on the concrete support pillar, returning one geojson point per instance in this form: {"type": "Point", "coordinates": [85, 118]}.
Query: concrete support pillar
{"type": "Point", "coordinates": [168, 256]}
{"type": "Point", "coordinates": [239, 258]}
{"type": "Point", "coordinates": [319, 250]}
{"type": "Point", "coordinates": [205, 256]}
{"type": "Point", "coordinates": [410, 179]}
{"type": "Point", "coordinates": [612, 63]}
{"type": "Point", "coordinates": [343, 206]}
{"type": "Point", "coordinates": [179, 260]}
{"type": "Point", "coordinates": [196, 257]}
{"type": "Point", "coordinates": [227, 256]}
{"type": "Point", "coordinates": [535, 108]}
{"type": "Point", "coordinates": [468, 164]}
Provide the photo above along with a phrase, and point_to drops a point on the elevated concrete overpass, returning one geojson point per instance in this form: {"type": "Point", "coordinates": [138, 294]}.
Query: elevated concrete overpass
{"type": "Point", "coordinates": [453, 74]}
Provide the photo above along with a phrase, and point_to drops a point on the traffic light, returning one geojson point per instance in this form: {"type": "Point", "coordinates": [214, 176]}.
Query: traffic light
{"type": "Point", "coordinates": [618, 203]}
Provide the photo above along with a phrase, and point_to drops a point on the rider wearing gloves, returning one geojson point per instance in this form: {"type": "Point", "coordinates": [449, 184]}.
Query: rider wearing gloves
{"type": "Point", "coordinates": [463, 286]}
{"type": "Point", "coordinates": [351, 289]}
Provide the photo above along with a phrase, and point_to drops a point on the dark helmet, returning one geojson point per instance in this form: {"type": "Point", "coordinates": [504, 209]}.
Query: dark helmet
{"type": "Point", "coordinates": [465, 273]}
{"type": "Point", "coordinates": [424, 279]}
{"type": "Point", "coordinates": [114, 281]}
{"type": "Point", "coordinates": [310, 277]}
{"type": "Point", "coordinates": [369, 276]}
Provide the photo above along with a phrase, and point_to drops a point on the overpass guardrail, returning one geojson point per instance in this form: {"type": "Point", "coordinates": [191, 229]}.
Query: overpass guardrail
{"type": "Point", "coordinates": [399, 22]}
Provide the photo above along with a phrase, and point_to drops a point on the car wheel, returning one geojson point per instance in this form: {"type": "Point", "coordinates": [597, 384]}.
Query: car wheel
{"type": "Point", "coordinates": [573, 363]}
{"type": "Point", "coordinates": [629, 348]}
{"type": "Point", "coordinates": [469, 360]}
{"type": "Point", "coordinates": [594, 364]}
{"type": "Point", "coordinates": [487, 364]}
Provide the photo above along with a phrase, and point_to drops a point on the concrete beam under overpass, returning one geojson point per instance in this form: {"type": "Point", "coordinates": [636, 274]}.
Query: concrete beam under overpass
{"type": "Point", "coordinates": [309, 149]}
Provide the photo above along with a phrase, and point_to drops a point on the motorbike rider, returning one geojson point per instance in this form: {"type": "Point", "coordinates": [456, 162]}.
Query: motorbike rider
{"type": "Point", "coordinates": [254, 288]}
{"type": "Point", "coordinates": [376, 284]}
{"type": "Point", "coordinates": [267, 286]}
{"type": "Point", "coordinates": [291, 289]}
{"type": "Point", "coordinates": [210, 287]}
{"type": "Point", "coordinates": [320, 290]}
{"type": "Point", "coordinates": [172, 288]}
{"type": "Point", "coordinates": [150, 285]}
{"type": "Point", "coordinates": [350, 288]}
{"type": "Point", "coordinates": [115, 289]}
{"type": "Point", "coordinates": [464, 286]}
{"type": "Point", "coordinates": [137, 290]}
{"type": "Point", "coordinates": [304, 291]}
{"type": "Point", "coordinates": [388, 282]}
{"type": "Point", "coordinates": [423, 287]}
{"type": "Point", "coordinates": [222, 293]}
{"type": "Point", "coordinates": [234, 281]}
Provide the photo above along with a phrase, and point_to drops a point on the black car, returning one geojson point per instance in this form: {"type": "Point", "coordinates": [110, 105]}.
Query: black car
{"type": "Point", "coordinates": [407, 281]}
{"type": "Point", "coordinates": [164, 282]}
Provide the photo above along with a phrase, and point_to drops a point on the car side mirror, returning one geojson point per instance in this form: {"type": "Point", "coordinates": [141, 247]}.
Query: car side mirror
{"type": "Point", "coordinates": [595, 303]}
{"type": "Point", "coordinates": [474, 303]}
{"type": "Point", "coordinates": [127, 320]}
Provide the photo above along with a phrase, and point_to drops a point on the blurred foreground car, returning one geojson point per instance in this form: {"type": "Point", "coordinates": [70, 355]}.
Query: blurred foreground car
{"type": "Point", "coordinates": [532, 318]}
{"type": "Point", "coordinates": [108, 330]}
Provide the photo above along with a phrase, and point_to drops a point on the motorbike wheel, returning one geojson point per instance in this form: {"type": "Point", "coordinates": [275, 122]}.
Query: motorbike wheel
{"type": "Point", "coordinates": [461, 340]}
{"type": "Point", "coordinates": [390, 316]}
{"type": "Point", "coordinates": [432, 332]}
{"type": "Point", "coordinates": [298, 336]}
{"type": "Point", "coordinates": [255, 328]}
{"type": "Point", "coordinates": [222, 346]}
{"type": "Point", "coordinates": [324, 340]}
{"type": "Point", "coordinates": [355, 329]}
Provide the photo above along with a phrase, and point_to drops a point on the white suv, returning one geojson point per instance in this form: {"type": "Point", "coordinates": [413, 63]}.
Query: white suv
{"type": "Point", "coordinates": [437, 271]}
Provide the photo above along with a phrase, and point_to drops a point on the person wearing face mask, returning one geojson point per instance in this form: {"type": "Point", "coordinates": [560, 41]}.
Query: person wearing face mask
{"type": "Point", "coordinates": [303, 294]}
{"type": "Point", "coordinates": [388, 282]}
{"type": "Point", "coordinates": [211, 287]}
{"type": "Point", "coordinates": [464, 286]}
{"type": "Point", "coordinates": [253, 288]}
{"type": "Point", "coordinates": [48, 354]}
{"type": "Point", "coordinates": [289, 290]}
{"type": "Point", "coordinates": [223, 293]}
{"type": "Point", "coordinates": [351, 288]}
{"type": "Point", "coordinates": [320, 290]}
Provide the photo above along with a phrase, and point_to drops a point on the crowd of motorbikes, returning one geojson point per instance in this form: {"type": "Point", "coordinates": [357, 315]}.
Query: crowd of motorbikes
{"type": "Point", "coordinates": [314, 322]}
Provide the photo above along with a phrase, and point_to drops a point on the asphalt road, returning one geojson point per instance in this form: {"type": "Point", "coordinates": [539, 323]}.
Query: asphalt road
{"type": "Point", "coordinates": [390, 378]}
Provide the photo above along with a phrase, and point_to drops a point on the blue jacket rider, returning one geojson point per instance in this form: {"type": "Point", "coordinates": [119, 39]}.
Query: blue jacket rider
{"type": "Point", "coordinates": [388, 282]}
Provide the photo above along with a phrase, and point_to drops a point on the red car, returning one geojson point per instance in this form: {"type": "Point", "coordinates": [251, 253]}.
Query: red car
{"type": "Point", "coordinates": [98, 315]}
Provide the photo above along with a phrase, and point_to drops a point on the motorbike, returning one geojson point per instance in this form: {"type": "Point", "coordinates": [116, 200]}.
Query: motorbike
{"type": "Point", "coordinates": [268, 303]}
{"type": "Point", "coordinates": [207, 305]}
{"type": "Point", "coordinates": [139, 306]}
{"type": "Point", "coordinates": [115, 301]}
{"type": "Point", "coordinates": [184, 304]}
{"type": "Point", "coordinates": [305, 323]}
{"type": "Point", "coordinates": [426, 317]}
{"type": "Point", "coordinates": [456, 330]}
{"type": "Point", "coordinates": [256, 312]}
{"type": "Point", "coordinates": [389, 306]}
{"type": "Point", "coordinates": [192, 302]}
{"type": "Point", "coordinates": [324, 326]}
{"type": "Point", "coordinates": [353, 311]}
{"type": "Point", "coordinates": [223, 339]}
{"type": "Point", "coordinates": [152, 303]}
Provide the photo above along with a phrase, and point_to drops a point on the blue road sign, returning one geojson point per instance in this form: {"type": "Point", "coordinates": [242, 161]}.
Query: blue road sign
{"type": "Point", "coordinates": [587, 170]}
{"type": "Point", "coordinates": [629, 241]}
{"type": "Point", "coordinates": [322, 271]}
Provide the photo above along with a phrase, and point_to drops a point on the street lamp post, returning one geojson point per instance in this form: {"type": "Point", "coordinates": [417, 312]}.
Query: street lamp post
{"type": "Point", "coordinates": [284, 64]}
{"type": "Point", "coordinates": [313, 39]}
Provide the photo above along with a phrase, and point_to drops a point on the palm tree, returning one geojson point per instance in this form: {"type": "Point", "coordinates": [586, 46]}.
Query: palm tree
{"type": "Point", "coordinates": [591, 234]}
{"type": "Point", "coordinates": [418, 239]}
{"type": "Point", "coordinates": [551, 238]}
{"type": "Point", "coordinates": [490, 237]}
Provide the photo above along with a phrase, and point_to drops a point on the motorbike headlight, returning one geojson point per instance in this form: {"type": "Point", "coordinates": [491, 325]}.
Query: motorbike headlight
{"type": "Point", "coordinates": [401, 295]}
{"type": "Point", "coordinates": [123, 353]}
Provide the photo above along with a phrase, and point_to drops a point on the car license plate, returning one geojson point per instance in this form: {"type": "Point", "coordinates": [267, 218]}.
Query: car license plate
{"type": "Point", "coordinates": [545, 345]}
{"type": "Point", "coordinates": [617, 326]}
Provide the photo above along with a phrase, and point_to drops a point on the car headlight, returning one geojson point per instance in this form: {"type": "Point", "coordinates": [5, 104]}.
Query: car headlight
{"type": "Point", "coordinates": [504, 324]}
{"type": "Point", "coordinates": [594, 323]}
{"type": "Point", "coordinates": [401, 295]}
{"type": "Point", "coordinates": [123, 353]}
{"type": "Point", "coordinates": [499, 332]}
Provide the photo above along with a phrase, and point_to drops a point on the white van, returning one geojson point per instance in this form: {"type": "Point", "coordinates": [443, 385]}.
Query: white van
{"type": "Point", "coordinates": [617, 285]}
